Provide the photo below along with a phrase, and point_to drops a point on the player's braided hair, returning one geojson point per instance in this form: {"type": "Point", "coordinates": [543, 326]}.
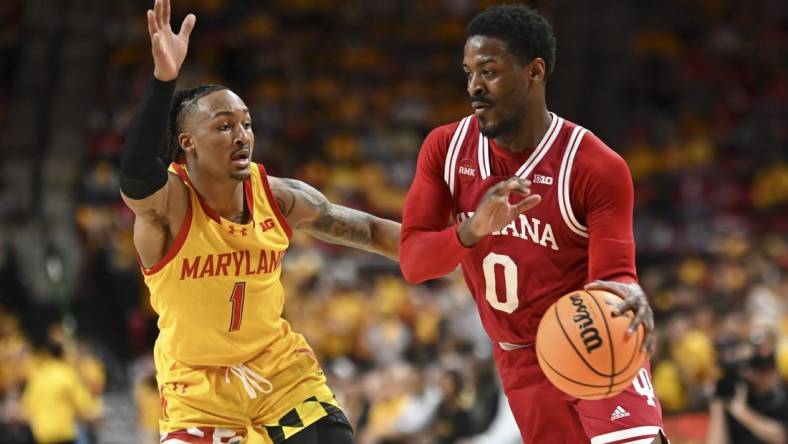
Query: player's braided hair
{"type": "Point", "coordinates": [527, 33]}
{"type": "Point", "coordinates": [183, 104]}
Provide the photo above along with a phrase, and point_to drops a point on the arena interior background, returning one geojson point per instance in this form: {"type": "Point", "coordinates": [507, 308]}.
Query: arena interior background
{"type": "Point", "coordinates": [691, 93]}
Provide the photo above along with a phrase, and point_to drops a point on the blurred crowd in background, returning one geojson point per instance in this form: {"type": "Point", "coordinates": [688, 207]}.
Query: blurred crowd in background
{"type": "Point", "coordinates": [693, 94]}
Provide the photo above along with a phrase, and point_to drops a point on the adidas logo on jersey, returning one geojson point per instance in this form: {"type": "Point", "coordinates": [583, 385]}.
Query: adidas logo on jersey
{"type": "Point", "coordinates": [547, 180]}
{"type": "Point", "coordinates": [619, 413]}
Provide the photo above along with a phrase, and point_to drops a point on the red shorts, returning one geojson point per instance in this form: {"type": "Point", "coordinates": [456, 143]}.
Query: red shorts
{"type": "Point", "coordinates": [545, 414]}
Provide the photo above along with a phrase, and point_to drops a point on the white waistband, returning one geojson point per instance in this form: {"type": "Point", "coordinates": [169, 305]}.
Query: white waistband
{"type": "Point", "coordinates": [509, 347]}
{"type": "Point", "coordinates": [249, 379]}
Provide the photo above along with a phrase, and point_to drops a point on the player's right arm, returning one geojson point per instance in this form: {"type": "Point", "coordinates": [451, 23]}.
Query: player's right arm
{"type": "Point", "coordinates": [157, 198]}
{"type": "Point", "coordinates": [428, 248]}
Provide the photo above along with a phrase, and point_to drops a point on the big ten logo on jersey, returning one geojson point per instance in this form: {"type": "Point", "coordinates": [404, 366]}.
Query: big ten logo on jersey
{"type": "Point", "coordinates": [265, 225]}
{"type": "Point", "coordinates": [466, 169]}
{"type": "Point", "coordinates": [545, 180]}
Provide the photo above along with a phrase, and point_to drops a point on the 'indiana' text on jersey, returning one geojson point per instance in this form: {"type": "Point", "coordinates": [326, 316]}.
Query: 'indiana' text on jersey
{"type": "Point", "coordinates": [518, 271]}
{"type": "Point", "coordinates": [217, 290]}
{"type": "Point", "coordinates": [524, 228]}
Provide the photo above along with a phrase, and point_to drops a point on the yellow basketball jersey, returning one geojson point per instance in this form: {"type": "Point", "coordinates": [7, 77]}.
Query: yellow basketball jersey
{"type": "Point", "coordinates": [217, 290]}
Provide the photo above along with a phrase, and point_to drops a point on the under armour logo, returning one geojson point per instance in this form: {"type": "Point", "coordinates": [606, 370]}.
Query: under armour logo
{"type": "Point", "coordinates": [241, 232]}
{"type": "Point", "coordinates": [179, 387]}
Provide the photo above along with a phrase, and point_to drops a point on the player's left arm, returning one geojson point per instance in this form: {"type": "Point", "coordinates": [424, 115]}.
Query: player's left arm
{"type": "Point", "coordinates": [308, 209]}
{"type": "Point", "coordinates": [606, 197]}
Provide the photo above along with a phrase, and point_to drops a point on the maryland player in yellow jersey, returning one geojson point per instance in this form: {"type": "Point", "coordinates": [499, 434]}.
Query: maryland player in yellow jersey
{"type": "Point", "coordinates": [211, 232]}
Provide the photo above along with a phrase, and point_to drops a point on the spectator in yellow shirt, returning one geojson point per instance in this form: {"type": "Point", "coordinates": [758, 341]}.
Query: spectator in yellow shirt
{"type": "Point", "coordinates": [55, 399]}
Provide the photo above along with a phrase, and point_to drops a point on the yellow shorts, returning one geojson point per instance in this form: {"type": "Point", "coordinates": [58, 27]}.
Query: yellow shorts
{"type": "Point", "coordinates": [223, 401]}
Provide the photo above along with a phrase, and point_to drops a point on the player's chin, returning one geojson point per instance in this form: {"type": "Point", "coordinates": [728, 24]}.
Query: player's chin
{"type": "Point", "coordinates": [241, 174]}
{"type": "Point", "coordinates": [489, 128]}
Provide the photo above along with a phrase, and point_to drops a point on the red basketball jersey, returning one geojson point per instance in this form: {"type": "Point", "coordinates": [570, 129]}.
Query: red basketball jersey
{"type": "Point", "coordinates": [516, 273]}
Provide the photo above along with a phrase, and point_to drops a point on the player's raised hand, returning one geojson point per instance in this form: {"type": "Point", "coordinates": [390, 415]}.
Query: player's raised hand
{"type": "Point", "coordinates": [169, 49]}
{"type": "Point", "coordinates": [634, 301]}
{"type": "Point", "coordinates": [495, 211]}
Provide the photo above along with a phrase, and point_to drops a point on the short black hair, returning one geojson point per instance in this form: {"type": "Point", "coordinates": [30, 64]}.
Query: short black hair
{"type": "Point", "coordinates": [183, 105]}
{"type": "Point", "coordinates": [527, 33]}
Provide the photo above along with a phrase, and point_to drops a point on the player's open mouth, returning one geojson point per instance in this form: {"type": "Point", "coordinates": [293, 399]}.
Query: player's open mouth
{"type": "Point", "coordinates": [480, 107]}
{"type": "Point", "coordinates": [240, 158]}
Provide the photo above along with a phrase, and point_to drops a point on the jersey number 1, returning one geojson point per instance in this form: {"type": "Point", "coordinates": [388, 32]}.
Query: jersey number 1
{"type": "Point", "coordinates": [237, 298]}
{"type": "Point", "coordinates": [511, 301]}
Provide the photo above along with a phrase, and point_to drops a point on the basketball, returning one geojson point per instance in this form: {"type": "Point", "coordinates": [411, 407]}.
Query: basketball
{"type": "Point", "coordinates": [583, 349]}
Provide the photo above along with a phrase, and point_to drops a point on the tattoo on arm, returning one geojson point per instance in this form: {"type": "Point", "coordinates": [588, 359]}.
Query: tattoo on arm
{"type": "Point", "coordinates": [343, 224]}
{"type": "Point", "coordinates": [286, 209]}
{"type": "Point", "coordinates": [313, 197]}
{"type": "Point", "coordinates": [320, 218]}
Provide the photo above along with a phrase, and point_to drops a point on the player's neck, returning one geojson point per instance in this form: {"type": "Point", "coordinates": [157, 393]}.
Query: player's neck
{"type": "Point", "coordinates": [215, 193]}
{"type": "Point", "coordinates": [529, 133]}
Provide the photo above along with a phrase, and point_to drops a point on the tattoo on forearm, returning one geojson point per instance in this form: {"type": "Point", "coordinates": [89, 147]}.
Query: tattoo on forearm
{"type": "Point", "coordinates": [348, 227]}
{"type": "Point", "coordinates": [334, 223]}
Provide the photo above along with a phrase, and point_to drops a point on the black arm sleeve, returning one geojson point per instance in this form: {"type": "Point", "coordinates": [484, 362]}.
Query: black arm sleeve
{"type": "Point", "coordinates": [142, 172]}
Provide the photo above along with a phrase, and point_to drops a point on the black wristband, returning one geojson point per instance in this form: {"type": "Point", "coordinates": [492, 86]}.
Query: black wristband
{"type": "Point", "coordinates": [142, 172]}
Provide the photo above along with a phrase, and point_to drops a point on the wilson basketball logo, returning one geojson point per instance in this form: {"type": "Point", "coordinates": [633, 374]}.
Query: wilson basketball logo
{"type": "Point", "coordinates": [584, 350]}
{"type": "Point", "coordinates": [585, 323]}
{"type": "Point", "coordinates": [466, 169]}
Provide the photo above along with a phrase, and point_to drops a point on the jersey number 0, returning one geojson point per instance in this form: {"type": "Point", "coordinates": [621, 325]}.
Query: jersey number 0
{"type": "Point", "coordinates": [511, 301]}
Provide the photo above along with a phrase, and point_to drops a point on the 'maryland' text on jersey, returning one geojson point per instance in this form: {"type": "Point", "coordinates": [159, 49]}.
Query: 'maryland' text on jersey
{"type": "Point", "coordinates": [236, 263]}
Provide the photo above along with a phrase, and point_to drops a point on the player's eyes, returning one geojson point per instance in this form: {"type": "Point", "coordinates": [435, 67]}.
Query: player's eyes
{"type": "Point", "coordinates": [485, 73]}
{"type": "Point", "coordinates": [224, 127]}
{"type": "Point", "coordinates": [247, 125]}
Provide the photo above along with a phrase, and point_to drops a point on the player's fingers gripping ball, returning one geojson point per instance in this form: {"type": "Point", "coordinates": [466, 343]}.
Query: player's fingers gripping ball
{"type": "Point", "coordinates": [583, 350]}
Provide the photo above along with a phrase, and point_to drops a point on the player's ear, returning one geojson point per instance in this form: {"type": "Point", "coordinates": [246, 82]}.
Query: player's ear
{"type": "Point", "coordinates": [536, 69]}
{"type": "Point", "coordinates": [186, 142]}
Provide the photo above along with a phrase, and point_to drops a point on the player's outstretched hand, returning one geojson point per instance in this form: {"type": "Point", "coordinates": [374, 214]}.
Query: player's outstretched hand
{"type": "Point", "coordinates": [495, 211]}
{"type": "Point", "coordinates": [169, 49]}
{"type": "Point", "coordinates": [634, 301]}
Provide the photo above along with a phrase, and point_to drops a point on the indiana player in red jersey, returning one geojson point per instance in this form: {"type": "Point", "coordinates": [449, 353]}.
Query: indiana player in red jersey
{"type": "Point", "coordinates": [539, 207]}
